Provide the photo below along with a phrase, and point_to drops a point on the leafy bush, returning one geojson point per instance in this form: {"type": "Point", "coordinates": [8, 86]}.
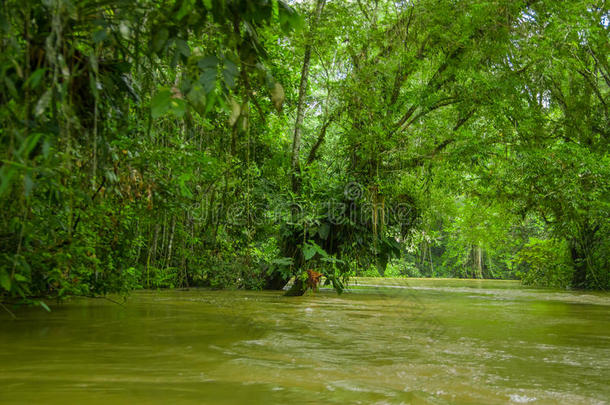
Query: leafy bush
{"type": "Point", "coordinates": [547, 263]}
{"type": "Point", "coordinates": [402, 268]}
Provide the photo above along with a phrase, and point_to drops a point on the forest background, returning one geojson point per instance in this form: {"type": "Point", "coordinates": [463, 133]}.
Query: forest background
{"type": "Point", "coordinates": [238, 143]}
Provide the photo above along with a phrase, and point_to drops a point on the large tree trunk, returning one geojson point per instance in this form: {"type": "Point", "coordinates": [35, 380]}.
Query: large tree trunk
{"type": "Point", "coordinates": [581, 250]}
{"type": "Point", "coordinates": [297, 289]}
{"type": "Point", "coordinates": [275, 282]}
{"type": "Point", "coordinates": [288, 249]}
{"type": "Point", "coordinates": [296, 140]}
{"type": "Point", "coordinates": [479, 262]}
{"type": "Point", "coordinates": [579, 278]}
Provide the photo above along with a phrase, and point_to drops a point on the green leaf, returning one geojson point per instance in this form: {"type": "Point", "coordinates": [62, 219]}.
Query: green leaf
{"type": "Point", "coordinates": [210, 102]}
{"type": "Point", "coordinates": [283, 261]}
{"type": "Point", "coordinates": [46, 147]}
{"type": "Point", "coordinates": [178, 107]}
{"type": "Point", "coordinates": [111, 176]}
{"type": "Point", "coordinates": [99, 36]}
{"type": "Point", "coordinates": [324, 231]}
{"type": "Point", "coordinates": [160, 103]}
{"type": "Point", "coordinates": [45, 306]}
{"type": "Point", "coordinates": [289, 18]}
{"type": "Point", "coordinates": [229, 73]}
{"type": "Point", "coordinates": [208, 80]}
{"type": "Point", "coordinates": [160, 39]}
{"type": "Point", "coordinates": [28, 185]}
{"type": "Point", "coordinates": [275, 12]}
{"type": "Point", "coordinates": [11, 87]}
{"type": "Point", "coordinates": [34, 80]}
{"type": "Point", "coordinates": [183, 47]}
{"type": "Point", "coordinates": [5, 280]}
{"type": "Point", "coordinates": [184, 190]}
{"type": "Point", "coordinates": [29, 144]}
{"type": "Point", "coordinates": [309, 251]}
{"type": "Point", "coordinates": [7, 172]}
{"type": "Point", "coordinates": [185, 9]}
{"type": "Point", "coordinates": [209, 62]}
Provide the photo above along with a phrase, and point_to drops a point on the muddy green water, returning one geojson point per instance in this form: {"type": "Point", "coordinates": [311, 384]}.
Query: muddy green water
{"type": "Point", "coordinates": [391, 342]}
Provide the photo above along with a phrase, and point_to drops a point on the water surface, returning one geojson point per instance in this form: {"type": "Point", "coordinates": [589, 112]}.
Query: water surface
{"type": "Point", "coordinates": [384, 341]}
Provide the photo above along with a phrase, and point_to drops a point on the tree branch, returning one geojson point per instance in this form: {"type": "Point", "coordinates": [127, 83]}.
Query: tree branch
{"type": "Point", "coordinates": [322, 135]}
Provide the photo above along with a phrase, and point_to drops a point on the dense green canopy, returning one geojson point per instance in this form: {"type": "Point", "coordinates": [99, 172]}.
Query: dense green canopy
{"type": "Point", "coordinates": [238, 143]}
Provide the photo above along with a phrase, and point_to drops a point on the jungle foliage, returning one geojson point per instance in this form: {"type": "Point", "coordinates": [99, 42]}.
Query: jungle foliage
{"type": "Point", "coordinates": [238, 143]}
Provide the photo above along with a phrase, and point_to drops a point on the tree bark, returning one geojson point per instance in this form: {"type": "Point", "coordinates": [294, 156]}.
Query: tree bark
{"type": "Point", "coordinates": [171, 242]}
{"type": "Point", "coordinates": [581, 248]}
{"type": "Point", "coordinates": [288, 248]}
{"type": "Point", "coordinates": [297, 289]}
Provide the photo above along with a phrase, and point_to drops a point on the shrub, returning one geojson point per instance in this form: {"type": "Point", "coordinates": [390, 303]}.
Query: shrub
{"type": "Point", "coordinates": [546, 262]}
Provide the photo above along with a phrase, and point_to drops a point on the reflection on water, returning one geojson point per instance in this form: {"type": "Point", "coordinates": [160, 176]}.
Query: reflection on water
{"type": "Point", "coordinates": [384, 341]}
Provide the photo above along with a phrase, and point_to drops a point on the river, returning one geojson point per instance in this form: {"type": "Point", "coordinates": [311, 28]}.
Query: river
{"type": "Point", "coordinates": [384, 341]}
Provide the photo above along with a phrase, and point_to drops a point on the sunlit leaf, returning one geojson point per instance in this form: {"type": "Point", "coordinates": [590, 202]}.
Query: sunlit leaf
{"type": "Point", "coordinates": [44, 306]}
